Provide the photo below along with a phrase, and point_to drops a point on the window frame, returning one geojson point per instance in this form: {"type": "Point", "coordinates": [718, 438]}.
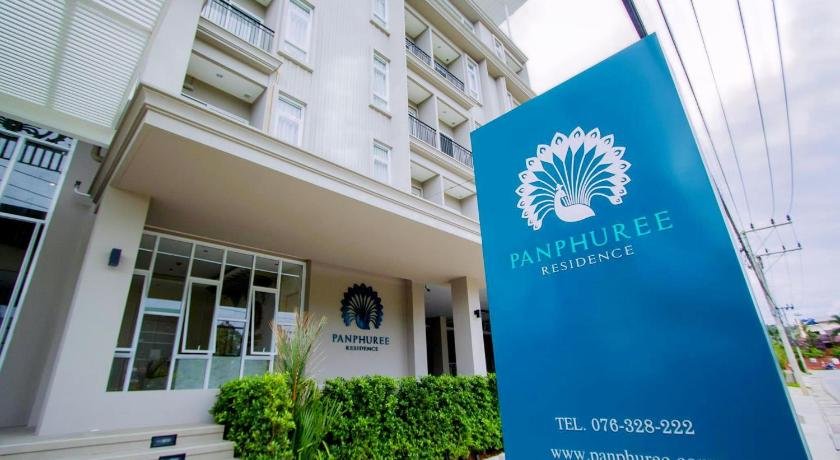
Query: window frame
{"type": "Point", "coordinates": [467, 63]}
{"type": "Point", "coordinates": [289, 47]}
{"type": "Point", "coordinates": [301, 121]}
{"type": "Point", "coordinates": [377, 148]}
{"type": "Point", "coordinates": [379, 100]}
{"type": "Point", "coordinates": [177, 352]}
{"type": "Point", "coordinates": [374, 13]}
{"type": "Point", "coordinates": [498, 48]}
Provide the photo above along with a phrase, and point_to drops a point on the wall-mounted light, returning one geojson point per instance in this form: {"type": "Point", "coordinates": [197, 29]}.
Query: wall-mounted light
{"type": "Point", "coordinates": [477, 313]}
{"type": "Point", "coordinates": [114, 257]}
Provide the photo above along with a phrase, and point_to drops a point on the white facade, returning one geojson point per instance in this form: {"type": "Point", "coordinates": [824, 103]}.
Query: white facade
{"type": "Point", "coordinates": [274, 155]}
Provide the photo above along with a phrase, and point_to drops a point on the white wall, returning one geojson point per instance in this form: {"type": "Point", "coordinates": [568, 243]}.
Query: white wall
{"type": "Point", "coordinates": [327, 288]}
{"type": "Point", "coordinates": [335, 84]}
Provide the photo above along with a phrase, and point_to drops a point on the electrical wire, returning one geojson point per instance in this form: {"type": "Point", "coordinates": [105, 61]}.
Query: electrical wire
{"type": "Point", "coordinates": [702, 118]}
{"type": "Point", "coordinates": [760, 112]}
{"type": "Point", "coordinates": [787, 110]}
{"type": "Point", "coordinates": [723, 111]}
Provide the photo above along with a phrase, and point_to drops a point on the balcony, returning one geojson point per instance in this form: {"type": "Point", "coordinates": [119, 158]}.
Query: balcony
{"type": "Point", "coordinates": [239, 23]}
{"type": "Point", "coordinates": [455, 150]}
{"type": "Point", "coordinates": [429, 136]}
{"type": "Point", "coordinates": [421, 131]}
{"type": "Point", "coordinates": [431, 68]}
{"type": "Point", "coordinates": [417, 51]}
{"type": "Point", "coordinates": [452, 79]}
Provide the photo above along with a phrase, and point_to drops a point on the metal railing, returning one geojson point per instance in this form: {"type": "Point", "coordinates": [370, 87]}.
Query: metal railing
{"type": "Point", "coordinates": [439, 67]}
{"type": "Point", "coordinates": [445, 73]}
{"type": "Point", "coordinates": [417, 51]}
{"type": "Point", "coordinates": [421, 131]}
{"type": "Point", "coordinates": [239, 23]}
{"type": "Point", "coordinates": [455, 150]}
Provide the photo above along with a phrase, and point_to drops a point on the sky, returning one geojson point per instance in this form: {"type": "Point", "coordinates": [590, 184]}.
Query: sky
{"type": "Point", "coordinates": [564, 37]}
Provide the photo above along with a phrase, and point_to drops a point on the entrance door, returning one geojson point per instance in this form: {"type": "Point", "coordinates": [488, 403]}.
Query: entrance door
{"type": "Point", "coordinates": [263, 310]}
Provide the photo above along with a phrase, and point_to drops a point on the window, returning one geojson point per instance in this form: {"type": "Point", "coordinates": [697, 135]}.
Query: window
{"type": "Point", "coordinates": [380, 81]}
{"type": "Point", "coordinates": [198, 315]}
{"type": "Point", "coordinates": [298, 29]}
{"type": "Point", "coordinates": [473, 83]}
{"type": "Point", "coordinates": [381, 162]}
{"type": "Point", "coordinates": [412, 110]}
{"type": "Point", "coordinates": [498, 48]}
{"type": "Point", "coordinates": [417, 190]}
{"type": "Point", "coordinates": [289, 124]}
{"type": "Point", "coordinates": [380, 11]}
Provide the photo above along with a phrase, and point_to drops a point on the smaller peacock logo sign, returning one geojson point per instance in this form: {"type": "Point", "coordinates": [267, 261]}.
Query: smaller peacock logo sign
{"type": "Point", "coordinates": [361, 305]}
{"type": "Point", "coordinates": [568, 174]}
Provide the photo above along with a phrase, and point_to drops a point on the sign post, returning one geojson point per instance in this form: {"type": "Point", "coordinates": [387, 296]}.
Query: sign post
{"type": "Point", "coordinates": [623, 326]}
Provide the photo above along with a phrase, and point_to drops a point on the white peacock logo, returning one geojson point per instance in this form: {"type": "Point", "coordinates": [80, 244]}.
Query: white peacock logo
{"type": "Point", "coordinates": [566, 175]}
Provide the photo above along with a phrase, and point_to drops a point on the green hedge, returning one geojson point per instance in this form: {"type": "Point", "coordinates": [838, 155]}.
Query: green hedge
{"type": "Point", "coordinates": [257, 414]}
{"type": "Point", "coordinates": [379, 417]}
{"type": "Point", "coordinates": [433, 418]}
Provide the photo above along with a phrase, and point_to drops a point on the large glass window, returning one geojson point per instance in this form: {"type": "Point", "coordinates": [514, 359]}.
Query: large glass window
{"type": "Point", "coordinates": [199, 321]}
{"type": "Point", "coordinates": [154, 353]}
{"type": "Point", "coordinates": [132, 308]}
{"type": "Point", "coordinates": [198, 315]}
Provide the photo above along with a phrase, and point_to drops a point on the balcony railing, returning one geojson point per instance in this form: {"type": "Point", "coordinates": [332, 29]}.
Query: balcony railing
{"type": "Point", "coordinates": [415, 50]}
{"type": "Point", "coordinates": [239, 23]}
{"type": "Point", "coordinates": [422, 131]}
{"type": "Point", "coordinates": [439, 68]}
{"type": "Point", "coordinates": [455, 150]}
{"type": "Point", "coordinates": [445, 73]}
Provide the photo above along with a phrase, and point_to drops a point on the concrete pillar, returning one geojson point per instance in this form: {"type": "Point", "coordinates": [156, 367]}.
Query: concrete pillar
{"type": "Point", "coordinates": [417, 333]}
{"type": "Point", "coordinates": [469, 206]}
{"type": "Point", "coordinates": [501, 95]}
{"type": "Point", "coordinates": [469, 338]}
{"type": "Point", "coordinates": [444, 345]}
{"type": "Point", "coordinates": [433, 189]}
{"type": "Point", "coordinates": [86, 350]}
{"type": "Point", "coordinates": [170, 46]}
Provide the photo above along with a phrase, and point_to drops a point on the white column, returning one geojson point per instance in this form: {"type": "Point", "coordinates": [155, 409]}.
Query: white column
{"type": "Point", "coordinates": [82, 365]}
{"type": "Point", "coordinates": [417, 323]}
{"type": "Point", "coordinates": [170, 46]}
{"type": "Point", "coordinates": [469, 338]}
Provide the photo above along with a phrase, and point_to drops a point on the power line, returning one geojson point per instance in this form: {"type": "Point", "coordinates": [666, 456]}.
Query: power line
{"type": "Point", "coordinates": [787, 111]}
{"type": "Point", "coordinates": [760, 112]}
{"type": "Point", "coordinates": [723, 111]}
{"type": "Point", "coordinates": [702, 117]}
{"type": "Point", "coordinates": [753, 261]}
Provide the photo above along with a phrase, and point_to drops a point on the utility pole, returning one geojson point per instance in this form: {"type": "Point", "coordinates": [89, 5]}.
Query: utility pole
{"type": "Point", "coordinates": [785, 321]}
{"type": "Point", "coordinates": [758, 269]}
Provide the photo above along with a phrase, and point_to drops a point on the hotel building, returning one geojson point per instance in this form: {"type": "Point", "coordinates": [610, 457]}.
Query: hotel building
{"type": "Point", "coordinates": [176, 175]}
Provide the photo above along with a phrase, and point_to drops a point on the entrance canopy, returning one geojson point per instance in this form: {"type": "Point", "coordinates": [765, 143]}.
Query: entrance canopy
{"type": "Point", "coordinates": [212, 177]}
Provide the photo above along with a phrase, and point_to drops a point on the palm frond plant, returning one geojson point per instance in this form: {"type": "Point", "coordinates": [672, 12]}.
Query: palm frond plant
{"type": "Point", "coordinates": [297, 352]}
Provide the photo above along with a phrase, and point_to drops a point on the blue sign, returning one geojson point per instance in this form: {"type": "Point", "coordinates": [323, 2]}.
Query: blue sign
{"type": "Point", "coordinates": [623, 328]}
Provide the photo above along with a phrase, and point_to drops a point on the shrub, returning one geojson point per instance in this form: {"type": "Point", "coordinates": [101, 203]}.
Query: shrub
{"type": "Point", "coordinates": [431, 418]}
{"type": "Point", "coordinates": [257, 414]}
{"type": "Point", "coordinates": [812, 352]}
